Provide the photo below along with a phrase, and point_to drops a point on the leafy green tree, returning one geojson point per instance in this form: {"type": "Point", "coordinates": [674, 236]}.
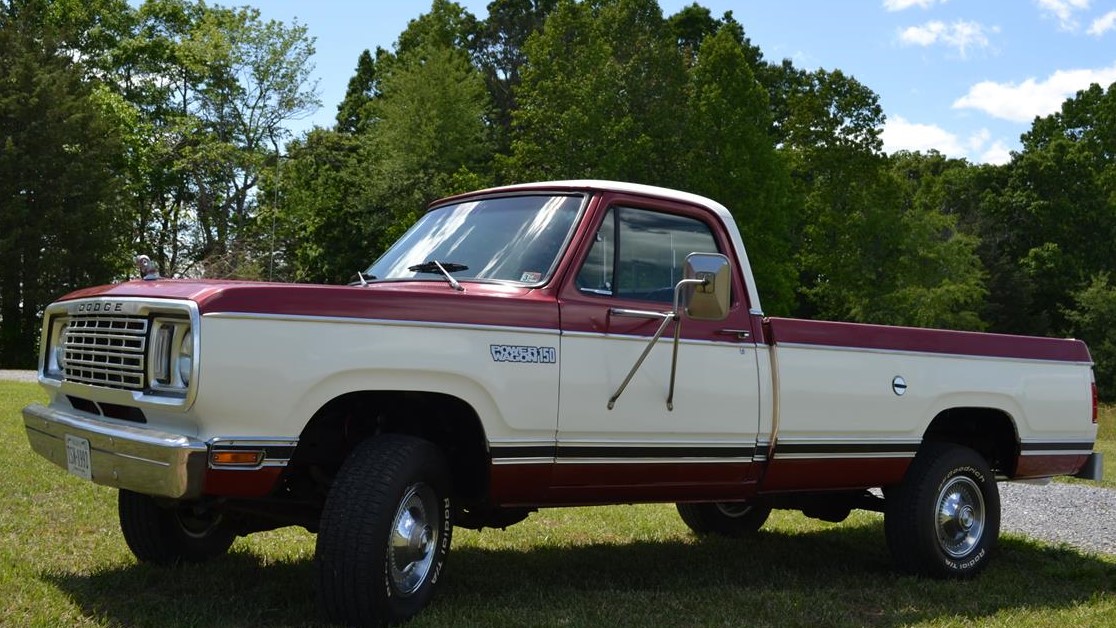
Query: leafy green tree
{"type": "Point", "coordinates": [566, 94]}
{"type": "Point", "coordinates": [693, 23]}
{"type": "Point", "coordinates": [690, 26]}
{"type": "Point", "coordinates": [731, 158]}
{"type": "Point", "coordinates": [446, 25]}
{"type": "Point", "coordinates": [829, 137]}
{"type": "Point", "coordinates": [876, 245]}
{"type": "Point", "coordinates": [328, 224]}
{"type": "Point", "coordinates": [259, 80]}
{"type": "Point", "coordinates": [498, 53]}
{"type": "Point", "coordinates": [940, 279]}
{"type": "Point", "coordinates": [1090, 318]}
{"type": "Point", "coordinates": [601, 95]}
{"type": "Point", "coordinates": [59, 223]}
{"type": "Point", "coordinates": [1053, 210]}
{"type": "Point", "coordinates": [363, 88]}
{"type": "Point", "coordinates": [213, 89]}
{"type": "Point", "coordinates": [430, 128]}
{"type": "Point", "coordinates": [345, 195]}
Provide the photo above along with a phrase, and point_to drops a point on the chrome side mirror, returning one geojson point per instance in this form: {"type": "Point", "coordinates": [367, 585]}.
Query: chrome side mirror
{"type": "Point", "coordinates": [708, 300]}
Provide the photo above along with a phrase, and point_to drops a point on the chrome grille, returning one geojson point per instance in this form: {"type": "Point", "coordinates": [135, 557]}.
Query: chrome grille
{"type": "Point", "coordinates": [105, 350]}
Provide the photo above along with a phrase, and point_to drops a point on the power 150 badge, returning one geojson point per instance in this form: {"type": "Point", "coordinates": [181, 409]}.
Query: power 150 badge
{"type": "Point", "coordinates": [520, 353]}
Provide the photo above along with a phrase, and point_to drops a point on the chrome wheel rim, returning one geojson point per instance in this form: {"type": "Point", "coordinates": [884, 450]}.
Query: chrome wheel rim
{"type": "Point", "coordinates": [197, 525]}
{"type": "Point", "coordinates": [415, 532]}
{"type": "Point", "coordinates": [734, 510]}
{"type": "Point", "coordinates": [960, 516]}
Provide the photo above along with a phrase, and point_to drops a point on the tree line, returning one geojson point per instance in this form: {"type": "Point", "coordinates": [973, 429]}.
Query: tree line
{"type": "Point", "coordinates": [162, 129]}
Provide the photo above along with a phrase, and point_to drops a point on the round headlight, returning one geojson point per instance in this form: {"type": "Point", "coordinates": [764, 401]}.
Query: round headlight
{"type": "Point", "coordinates": [186, 358]}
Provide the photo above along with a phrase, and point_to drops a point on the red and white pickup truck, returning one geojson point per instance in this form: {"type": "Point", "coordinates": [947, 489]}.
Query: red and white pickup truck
{"type": "Point", "coordinates": [550, 344]}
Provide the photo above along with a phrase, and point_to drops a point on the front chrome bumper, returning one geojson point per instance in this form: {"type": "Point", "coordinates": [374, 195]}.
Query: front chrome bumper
{"type": "Point", "coordinates": [122, 456]}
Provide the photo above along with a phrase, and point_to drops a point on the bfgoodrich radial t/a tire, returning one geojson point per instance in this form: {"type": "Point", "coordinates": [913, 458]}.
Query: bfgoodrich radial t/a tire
{"type": "Point", "coordinates": [732, 519]}
{"type": "Point", "coordinates": [385, 532]}
{"type": "Point", "coordinates": [943, 521]}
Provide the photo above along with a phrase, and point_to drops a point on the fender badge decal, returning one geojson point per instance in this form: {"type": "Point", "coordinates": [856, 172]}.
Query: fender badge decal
{"type": "Point", "coordinates": [528, 355]}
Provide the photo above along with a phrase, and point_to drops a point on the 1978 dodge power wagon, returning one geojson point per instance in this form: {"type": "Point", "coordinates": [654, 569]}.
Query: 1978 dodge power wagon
{"type": "Point", "coordinates": [540, 345]}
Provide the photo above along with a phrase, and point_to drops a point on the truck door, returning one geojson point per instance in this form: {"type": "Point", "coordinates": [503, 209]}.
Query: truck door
{"type": "Point", "coordinates": [703, 448]}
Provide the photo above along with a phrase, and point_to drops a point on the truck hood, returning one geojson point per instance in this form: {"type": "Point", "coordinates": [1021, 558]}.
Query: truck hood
{"type": "Point", "coordinates": [429, 301]}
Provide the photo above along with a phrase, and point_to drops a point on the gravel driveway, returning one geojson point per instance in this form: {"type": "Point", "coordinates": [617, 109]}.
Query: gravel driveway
{"type": "Point", "coordinates": [18, 376]}
{"type": "Point", "coordinates": [1076, 514]}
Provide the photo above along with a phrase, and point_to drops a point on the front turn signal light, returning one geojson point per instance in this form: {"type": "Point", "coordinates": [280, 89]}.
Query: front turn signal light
{"type": "Point", "coordinates": [236, 458]}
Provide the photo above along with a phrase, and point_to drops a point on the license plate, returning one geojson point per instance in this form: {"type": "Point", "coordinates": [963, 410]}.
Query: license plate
{"type": "Point", "coordinates": [77, 457]}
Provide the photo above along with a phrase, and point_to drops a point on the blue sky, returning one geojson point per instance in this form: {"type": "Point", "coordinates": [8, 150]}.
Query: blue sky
{"type": "Point", "coordinates": [965, 77]}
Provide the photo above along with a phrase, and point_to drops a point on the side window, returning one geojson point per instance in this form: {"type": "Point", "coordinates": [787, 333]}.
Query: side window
{"type": "Point", "coordinates": [639, 254]}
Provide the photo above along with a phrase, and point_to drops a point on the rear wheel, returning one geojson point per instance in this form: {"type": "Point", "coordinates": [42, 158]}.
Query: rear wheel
{"type": "Point", "coordinates": [943, 521]}
{"type": "Point", "coordinates": [173, 533]}
{"type": "Point", "coordinates": [732, 519]}
{"type": "Point", "coordinates": [385, 532]}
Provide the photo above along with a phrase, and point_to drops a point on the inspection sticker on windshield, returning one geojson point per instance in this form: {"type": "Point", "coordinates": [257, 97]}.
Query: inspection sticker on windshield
{"type": "Point", "coordinates": [520, 353]}
{"type": "Point", "coordinates": [530, 277]}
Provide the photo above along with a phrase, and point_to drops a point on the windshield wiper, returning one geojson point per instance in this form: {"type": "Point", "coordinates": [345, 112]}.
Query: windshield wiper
{"type": "Point", "coordinates": [434, 266]}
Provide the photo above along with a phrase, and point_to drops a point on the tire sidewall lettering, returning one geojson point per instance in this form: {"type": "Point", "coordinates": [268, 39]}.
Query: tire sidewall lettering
{"type": "Point", "coordinates": [980, 550]}
{"type": "Point", "coordinates": [967, 564]}
{"type": "Point", "coordinates": [435, 569]}
{"type": "Point", "coordinates": [443, 542]}
{"type": "Point", "coordinates": [970, 472]}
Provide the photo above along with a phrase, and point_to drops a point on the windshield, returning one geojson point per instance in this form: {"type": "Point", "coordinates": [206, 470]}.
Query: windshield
{"type": "Point", "coordinates": [515, 238]}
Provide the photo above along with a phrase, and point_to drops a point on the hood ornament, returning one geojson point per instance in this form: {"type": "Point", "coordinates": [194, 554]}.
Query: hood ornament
{"type": "Point", "coordinates": [146, 268]}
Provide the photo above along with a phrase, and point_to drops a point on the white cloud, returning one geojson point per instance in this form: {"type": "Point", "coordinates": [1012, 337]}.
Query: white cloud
{"type": "Point", "coordinates": [1064, 10]}
{"type": "Point", "coordinates": [901, 134]}
{"type": "Point", "coordinates": [900, 5]}
{"type": "Point", "coordinates": [924, 35]}
{"type": "Point", "coordinates": [960, 35]}
{"type": "Point", "coordinates": [979, 139]}
{"type": "Point", "coordinates": [1103, 24]}
{"type": "Point", "coordinates": [1031, 98]}
{"type": "Point", "coordinates": [998, 154]}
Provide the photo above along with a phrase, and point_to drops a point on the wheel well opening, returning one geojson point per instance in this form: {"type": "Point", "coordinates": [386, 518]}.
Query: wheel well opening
{"type": "Point", "coordinates": [344, 422]}
{"type": "Point", "coordinates": [988, 431]}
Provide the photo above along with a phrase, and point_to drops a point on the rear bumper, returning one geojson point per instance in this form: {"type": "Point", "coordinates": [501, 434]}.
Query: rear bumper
{"type": "Point", "coordinates": [1093, 469]}
{"type": "Point", "coordinates": [122, 456]}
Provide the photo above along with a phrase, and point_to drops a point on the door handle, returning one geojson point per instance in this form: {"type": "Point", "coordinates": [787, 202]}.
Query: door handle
{"type": "Point", "coordinates": [741, 334]}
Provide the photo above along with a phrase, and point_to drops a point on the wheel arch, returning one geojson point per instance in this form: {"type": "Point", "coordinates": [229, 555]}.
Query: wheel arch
{"type": "Point", "coordinates": [992, 432]}
{"type": "Point", "coordinates": [446, 411]}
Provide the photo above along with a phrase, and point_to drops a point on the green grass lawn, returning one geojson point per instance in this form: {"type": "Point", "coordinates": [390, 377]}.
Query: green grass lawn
{"type": "Point", "coordinates": [1106, 443]}
{"type": "Point", "coordinates": [63, 562]}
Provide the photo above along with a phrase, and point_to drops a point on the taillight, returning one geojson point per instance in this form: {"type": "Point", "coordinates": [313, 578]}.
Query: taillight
{"type": "Point", "coordinates": [1094, 403]}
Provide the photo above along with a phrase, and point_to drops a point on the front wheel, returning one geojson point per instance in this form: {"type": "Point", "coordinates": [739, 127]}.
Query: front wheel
{"type": "Point", "coordinates": [732, 519]}
{"type": "Point", "coordinates": [943, 521]}
{"type": "Point", "coordinates": [173, 533]}
{"type": "Point", "coordinates": [385, 532]}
